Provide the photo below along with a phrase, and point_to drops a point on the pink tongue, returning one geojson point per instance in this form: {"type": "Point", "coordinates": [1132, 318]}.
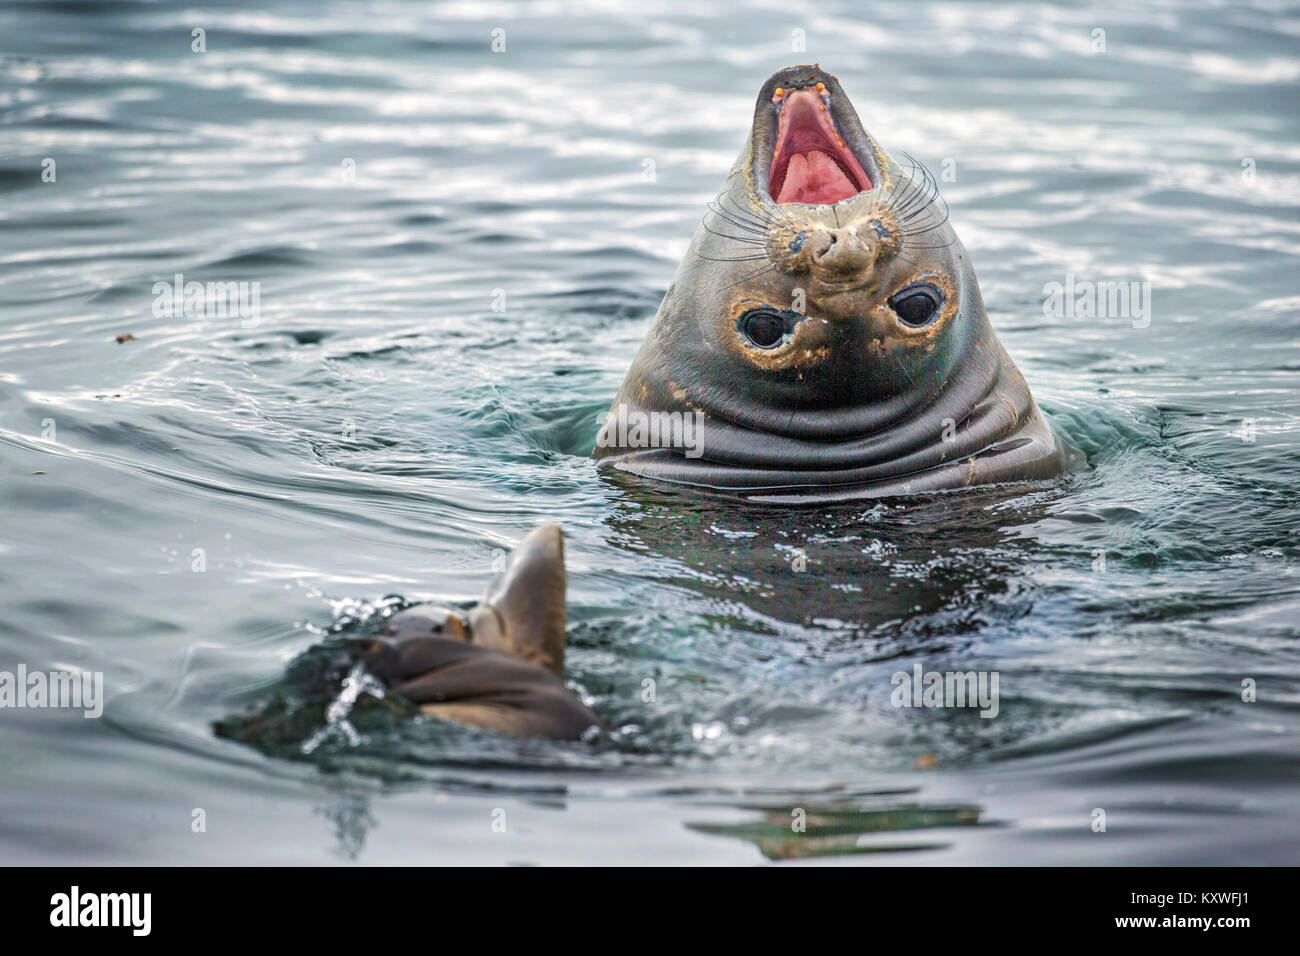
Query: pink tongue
{"type": "Point", "coordinates": [813, 177]}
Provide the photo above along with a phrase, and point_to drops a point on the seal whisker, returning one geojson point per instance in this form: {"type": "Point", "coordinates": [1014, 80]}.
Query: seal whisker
{"type": "Point", "coordinates": [918, 199]}
{"type": "Point", "coordinates": [739, 218]}
{"type": "Point", "coordinates": [748, 240]}
{"type": "Point", "coordinates": [782, 215]}
{"type": "Point", "coordinates": [920, 206]}
{"type": "Point", "coordinates": [941, 245]}
{"type": "Point", "coordinates": [739, 226]}
{"type": "Point", "coordinates": [762, 223]}
{"type": "Point", "coordinates": [755, 211]}
{"type": "Point", "coordinates": [767, 218]}
{"type": "Point", "coordinates": [930, 228]}
{"type": "Point", "coordinates": [742, 224]}
{"type": "Point", "coordinates": [748, 232]}
{"type": "Point", "coordinates": [924, 191]}
{"type": "Point", "coordinates": [753, 275]}
{"type": "Point", "coordinates": [732, 258]}
{"type": "Point", "coordinates": [913, 202]}
{"type": "Point", "coordinates": [927, 209]}
{"type": "Point", "coordinates": [903, 197]}
{"type": "Point", "coordinates": [923, 223]}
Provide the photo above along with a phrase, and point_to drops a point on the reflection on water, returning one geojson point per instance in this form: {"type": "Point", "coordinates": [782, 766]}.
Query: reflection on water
{"type": "Point", "coordinates": [853, 568]}
{"type": "Point", "coordinates": [458, 252]}
{"type": "Point", "coordinates": [349, 813]}
{"type": "Point", "coordinates": [792, 832]}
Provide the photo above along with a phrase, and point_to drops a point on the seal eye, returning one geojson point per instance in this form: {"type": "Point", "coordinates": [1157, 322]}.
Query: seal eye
{"type": "Point", "coordinates": [916, 305]}
{"type": "Point", "coordinates": [763, 327]}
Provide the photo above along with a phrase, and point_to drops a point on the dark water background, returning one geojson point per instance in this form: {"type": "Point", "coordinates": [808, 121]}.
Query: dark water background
{"type": "Point", "coordinates": [382, 429]}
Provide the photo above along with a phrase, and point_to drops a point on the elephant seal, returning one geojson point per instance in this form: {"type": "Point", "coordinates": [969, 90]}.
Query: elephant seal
{"type": "Point", "coordinates": [501, 665]}
{"type": "Point", "coordinates": [824, 338]}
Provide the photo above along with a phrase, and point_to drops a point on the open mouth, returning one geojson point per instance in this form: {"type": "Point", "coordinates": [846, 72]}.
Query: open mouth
{"type": "Point", "coordinates": [810, 162]}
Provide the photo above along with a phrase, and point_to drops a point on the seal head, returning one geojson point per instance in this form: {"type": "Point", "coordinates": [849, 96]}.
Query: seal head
{"type": "Point", "coordinates": [824, 337]}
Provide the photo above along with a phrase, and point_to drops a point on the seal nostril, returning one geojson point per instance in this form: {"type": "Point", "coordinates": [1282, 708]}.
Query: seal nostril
{"type": "Point", "coordinates": [822, 242]}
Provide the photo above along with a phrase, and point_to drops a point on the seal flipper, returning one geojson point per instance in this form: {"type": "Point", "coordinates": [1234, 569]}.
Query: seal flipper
{"type": "Point", "coordinates": [469, 684]}
{"type": "Point", "coordinates": [405, 657]}
{"type": "Point", "coordinates": [502, 670]}
{"type": "Point", "coordinates": [485, 688]}
{"type": "Point", "coordinates": [522, 613]}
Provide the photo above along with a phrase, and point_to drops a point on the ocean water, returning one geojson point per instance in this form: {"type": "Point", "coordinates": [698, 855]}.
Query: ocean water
{"type": "Point", "coordinates": [456, 252]}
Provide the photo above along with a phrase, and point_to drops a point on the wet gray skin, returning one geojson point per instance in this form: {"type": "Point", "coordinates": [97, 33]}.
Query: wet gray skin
{"type": "Point", "coordinates": [501, 666]}
{"type": "Point", "coordinates": [825, 351]}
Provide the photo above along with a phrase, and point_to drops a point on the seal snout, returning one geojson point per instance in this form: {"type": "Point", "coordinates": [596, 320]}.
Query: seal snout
{"type": "Point", "coordinates": [811, 241]}
{"type": "Point", "coordinates": [840, 251]}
